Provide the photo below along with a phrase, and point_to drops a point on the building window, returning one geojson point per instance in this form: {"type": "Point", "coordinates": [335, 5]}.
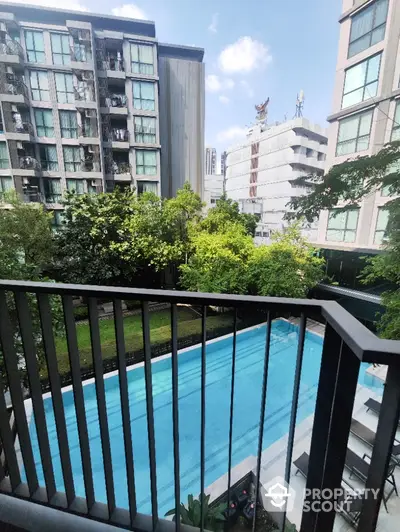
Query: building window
{"type": "Point", "coordinates": [368, 27]}
{"type": "Point", "coordinates": [39, 85]}
{"type": "Point", "coordinates": [354, 133]}
{"type": "Point", "coordinates": [361, 81]}
{"type": "Point", "coordinates": [146, 162]}
{"type": "Point", "coordinates": [35, 46]}
{"type": "Point", "coordinates": [48, 157]}
{"type": "Point", "coordinates": [58, 219]}
{"type": "Point", "coordinates": [68, 124]}
{"type": "Point", "coordinates": [65, 88]}
{"type": "Point", "coordinates": [146, 186]}
{"type": "Point", "coordinates": [4, 162]}
{"type": "Point", "coordinates": [72, 158]}
{"type": "Point", "coordinates": [381, 225]}
{"type": "Point", "coordinates": [142, 58]}
{"type": "Point", "coordinates": [76, 185]}
{"type": "Point", "coordinates": [44, 123]}
{"type": "Point", "coordinates": [342, 225]}
{"type": "Point", "coordinates": [52, 190]}
{"type": "Point", "coordinates": [143, 95]}
{"type": "Point", "coordinates": [60, 49]}
{"type": "Point", "coordinates": [6, 184]}
{"type": "Point", "coordinates": [396, 124]}
{"type": "Point", "coordinates": [145, 130]}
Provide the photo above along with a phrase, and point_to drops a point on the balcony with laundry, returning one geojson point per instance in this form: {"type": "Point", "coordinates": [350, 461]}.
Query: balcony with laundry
{"type": "Point", "coordinates": [117, 166]}
{"type": "Point", "coordinates": [113, 99]}
{"type": "Point", "coordinates": [110, 58]}
{"type": "Point", "coordinates": [84, 90]}
{"type": "Point", "coordinates": [115, 132]}
{"type": "Point", "coordinates": [88, 131]}
{"type": "Point", "coordinates": [24, 159]}
{"type": "Point", "coordinates": [17, 122]}
{"type": "Point", "coordinates": [81, 49]}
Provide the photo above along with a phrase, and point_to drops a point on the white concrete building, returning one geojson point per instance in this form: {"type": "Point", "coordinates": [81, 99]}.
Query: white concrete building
{"type": "Point", "coordinates": [365, 113]}
{"type": "Point", "coordinates": [213, 189]}
{"type": "Point", "coordinates": [211, 161]}
{"type": "Point", "coordinates": [261, 172]}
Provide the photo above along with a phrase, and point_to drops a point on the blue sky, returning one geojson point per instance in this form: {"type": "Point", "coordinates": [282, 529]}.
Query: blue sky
{"type": "Point", "coordinates": [254, 49]}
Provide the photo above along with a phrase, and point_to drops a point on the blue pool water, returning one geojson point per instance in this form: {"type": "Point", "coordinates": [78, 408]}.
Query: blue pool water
{"type": "Point", "coordinates": [249, 370]}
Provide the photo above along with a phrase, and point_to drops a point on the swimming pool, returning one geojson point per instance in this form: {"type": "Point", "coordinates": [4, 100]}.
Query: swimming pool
{"type": "Point", "coordinates": [249, 370]}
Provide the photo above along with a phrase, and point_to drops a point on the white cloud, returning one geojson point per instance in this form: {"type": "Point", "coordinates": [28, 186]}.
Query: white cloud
{"type": "Point", "coordinates": [232, 133]}
{"type": "Point", "coordinates": [216, 84]}
{"type": "Point", "coordinates": [129, 11]}
{"type": "Point", "coordinates": [214, 23]}
{"type": "Point", "coordinates": [245, 55]}
{"type": "Point", "coordinates": [74, 5]}
{"type": "Point", "coordinates": [247, 87]}
{"type": "Point", "coordinates": [224, 99]}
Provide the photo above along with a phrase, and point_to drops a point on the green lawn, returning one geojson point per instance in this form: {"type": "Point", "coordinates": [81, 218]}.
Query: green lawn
{"type": "Point", "coordinates": [160, 331]}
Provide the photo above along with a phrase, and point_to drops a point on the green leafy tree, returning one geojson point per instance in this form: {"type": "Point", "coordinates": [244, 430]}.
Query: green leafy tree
{"type": "Point", "coordinates": [348, 183]}
{"type": "Point", "coordinates": [219, 261]}
{"type": "Point", "coordinates": [25, 252]}
{"type": "Point", "coordinates": [289, 267]}
{"type": "Point", "coordinates": [225, 212]}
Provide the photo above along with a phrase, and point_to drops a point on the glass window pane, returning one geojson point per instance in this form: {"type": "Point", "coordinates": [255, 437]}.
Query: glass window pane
{"type": "Point", "coordinates": [370, 90]}
{"type": "Point", "coordinates": [362, 143]}
{"type": "Point", "coordinates": [373, 68]}
{"type": "Point", "coordinates": [359, 45]}
{"type": "Point", "coordinates": [335, 235]}
{"type": "Point", "coordinates": [139, 157]}
{"type": "Point", "coordinates": [29, 40]}
{"type": "Point", "coordinates": [146, 54]}
{"type": "Point", "coordinates": [355, 77]}
{"type": "Point", "coordinates": [383, 218]}
{"type": "Point", "coordinates": [349, 236]}
{"type": "Point", "coordinates": [348, 129]}
{"type": "Point", "coordinates": [352, 218]}
{"type": "Point", "coordinates": [395, 133]}
{"type": "Point", "coordinates": [352, 98]}
{"type": "Point", "coordinates": [362, 23]}
{"type": "Point", "coordinates": [365, 124]}
{"type": "Point", "coordinates": [56, 43]}
{"type": "Point", "coordinates": [381, 8]}
{"type": "Point", "coordinates": [150, 158]}
{"type": "Point", "coordinates": [337, 220]}
{"type": "Point", "coordinates": [378, 35]}
{"type": "Point", "coordinates": [134, 52]}
{"type": "Point", "coordinates": [345, 148]}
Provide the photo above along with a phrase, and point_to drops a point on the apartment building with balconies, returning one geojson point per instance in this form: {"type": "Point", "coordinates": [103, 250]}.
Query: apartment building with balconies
{"type": "Point", "coordinates": [80, 106]}
{"type": "Point", "coordinates": [365, 114]}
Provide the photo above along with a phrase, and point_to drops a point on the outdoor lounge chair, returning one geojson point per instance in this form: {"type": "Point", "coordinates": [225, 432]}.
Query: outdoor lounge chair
{"type": "Point", "coordinates": [367, 436]}
{"type": "Point", "coordinates": [351, 511]}
{"type": "Point", "coordinates": [357, 466]}
{"type": "Point", "coordinates": [374, 405]}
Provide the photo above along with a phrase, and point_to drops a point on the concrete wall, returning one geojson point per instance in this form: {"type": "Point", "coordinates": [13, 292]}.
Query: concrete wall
{"type": "Point", "coordinates": [181, 107]}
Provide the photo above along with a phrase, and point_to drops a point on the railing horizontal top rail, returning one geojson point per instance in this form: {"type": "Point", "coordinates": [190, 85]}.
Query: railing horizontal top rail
{"type": "Point", "coordinates": [367, 346]}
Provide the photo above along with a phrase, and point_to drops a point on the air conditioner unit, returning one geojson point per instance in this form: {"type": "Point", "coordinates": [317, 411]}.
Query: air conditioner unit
{"type": "Point", "coordinates": [25, 180]}
{"type": "Point", "coordinates": [91, 149]}
{"type": "Point", "coordinates": [93, 183]}
{"type": "Point", "coordinates": [3, 27]}
{"type": "Point", "coordinates": [14, 108]}
{"type": "Point", "coordinates": [20, 146]}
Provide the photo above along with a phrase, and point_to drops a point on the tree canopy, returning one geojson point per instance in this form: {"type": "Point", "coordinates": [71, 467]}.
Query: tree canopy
{"type": "Point", "coordinates": [344, 186]}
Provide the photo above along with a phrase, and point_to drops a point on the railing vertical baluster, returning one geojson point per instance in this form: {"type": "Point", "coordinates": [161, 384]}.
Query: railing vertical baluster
{"type": "Point", "coordinates": [233, 369]}
{"type": "Point", "coordinates": [74, 362]}
{"type": "Point", "coordinates": [382, 450]}
{"type": "Point", "coordinates": [126, 419]}
{"type": "Point", "coordinates": [295, 402]}
{"type": "Point", "coordinates": [203, 411]}
{"type": "Point", "coordinates": [323, 405]}
{"type": "Point", "coordinates": [262, 413]}
{"type": "Point", "coordinates": [175, 411]}
{"type": "Point", "coordinates": [150, 411]}
{"type": "Point", "coordinates": [25, 323]}
{"type": "Point", "coordinates": [10, 360]}
{"type": "Point", "coordinates": [56, 394]}
{"type": "Point", "coordinates": [8, 442]}
{"type": "Point", "coordinates": [339, 429]}
{"type": "Point", "coordinates": [101, 403]}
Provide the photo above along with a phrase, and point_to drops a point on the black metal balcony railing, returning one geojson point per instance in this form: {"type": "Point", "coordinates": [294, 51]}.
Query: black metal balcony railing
{"type": "Point", "coordinates": [116, 65]}
{"type": "Point", "coordinates": [32, 196]}
{"type": "Point", "coordinates": [53, 198]}
{"type": "Point", "coordinates": [346, 344]}
{"type": "Point", "coordinates": [116, 100]}
{"type": "Point", "coordinates": [120, 168]}
{"type": "Point", "coordinates": [14, 87]}
{"type": "Point", "coordinates": [11, 47]}
{"type": "Point", "coordinates": [21, 127]}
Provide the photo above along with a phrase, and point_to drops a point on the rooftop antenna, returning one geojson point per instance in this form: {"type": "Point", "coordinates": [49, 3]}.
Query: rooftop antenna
{"type": "Point", "coordinates": [299, 105]}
